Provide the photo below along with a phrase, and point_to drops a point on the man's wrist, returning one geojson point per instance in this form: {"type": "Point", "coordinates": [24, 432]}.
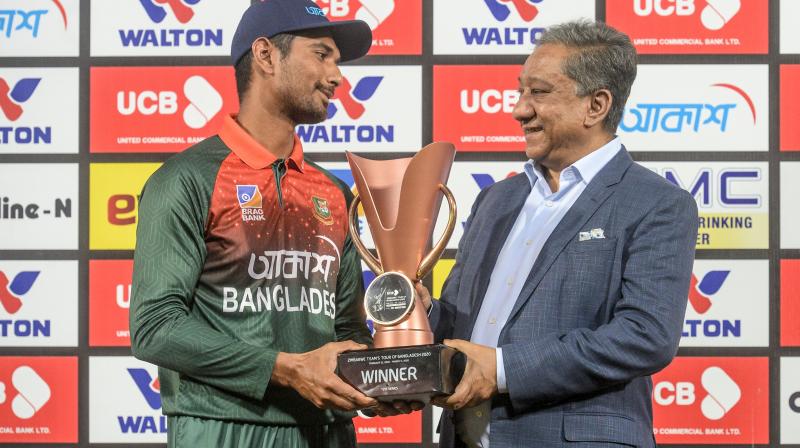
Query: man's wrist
{"type": "Point", "coordinates": [284, 369]}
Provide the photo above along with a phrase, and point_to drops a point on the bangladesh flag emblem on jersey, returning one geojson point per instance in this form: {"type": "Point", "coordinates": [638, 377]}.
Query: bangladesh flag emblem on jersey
{"type": "Point", "coordinates": [321, 210]}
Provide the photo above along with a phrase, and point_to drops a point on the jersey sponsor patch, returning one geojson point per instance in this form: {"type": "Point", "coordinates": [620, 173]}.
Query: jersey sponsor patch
{"type": "Point", "coordinates": [250, 201]}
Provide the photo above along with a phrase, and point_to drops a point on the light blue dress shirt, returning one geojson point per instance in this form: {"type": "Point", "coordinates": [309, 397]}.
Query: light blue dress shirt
{"type": "Point", "coordinates": [541, 213]}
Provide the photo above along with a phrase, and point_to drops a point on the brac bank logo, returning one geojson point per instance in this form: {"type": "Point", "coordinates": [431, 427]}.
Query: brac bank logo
{"type": "Point", "coordinates": [32, 392]}
{"type": "Point", "coordinates": [158, 13]}
{"type": "Point", "coordinates": [352, 98]}
{"type": "Point", "coordinates": [525, 9]}
{"type": "Point", "coordinates": [715, 15]}
{"type": "Point", "coordinates": [11, 294]}
{"type": "Point", "coordinates": [11, 98]}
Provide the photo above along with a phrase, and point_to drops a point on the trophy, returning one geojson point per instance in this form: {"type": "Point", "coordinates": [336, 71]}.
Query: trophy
{"type": "Point", "coordinates": [401, 199]}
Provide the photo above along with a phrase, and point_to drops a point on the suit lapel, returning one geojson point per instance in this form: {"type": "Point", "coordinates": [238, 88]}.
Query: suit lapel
{"type": "Point", "coordinates": [506, 211]}
{"type": "Point", "coordinates": [598, 190]}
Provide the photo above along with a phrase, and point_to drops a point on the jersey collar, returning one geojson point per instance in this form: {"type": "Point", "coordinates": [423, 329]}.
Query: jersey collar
{"type": "Point", "coordinates": [253, 153]}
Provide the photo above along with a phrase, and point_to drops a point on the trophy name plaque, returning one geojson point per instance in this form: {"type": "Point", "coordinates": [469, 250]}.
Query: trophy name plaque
{"type": "Point", "coordinates": [401, 199]}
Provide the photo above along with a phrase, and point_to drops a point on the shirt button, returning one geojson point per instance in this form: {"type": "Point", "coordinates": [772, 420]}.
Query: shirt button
{"type": "Point", "coordinates": [492, 321]}
{"type": "Point", "coordinates": [548, 203]}
{"type": "Point", "coordinates": [510, 281]}
{"type": "Point", "coordinates": [528, 242]}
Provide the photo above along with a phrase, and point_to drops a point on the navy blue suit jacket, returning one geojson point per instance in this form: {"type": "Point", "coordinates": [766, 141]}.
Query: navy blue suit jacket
{"type": "Point", "coordinates": [595, 318]}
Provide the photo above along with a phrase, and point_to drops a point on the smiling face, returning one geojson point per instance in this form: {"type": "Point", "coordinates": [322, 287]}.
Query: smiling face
{"type": "Point", "coordinates": [307, 78]}
{"type": "Point", "coordinates": [552, 116]}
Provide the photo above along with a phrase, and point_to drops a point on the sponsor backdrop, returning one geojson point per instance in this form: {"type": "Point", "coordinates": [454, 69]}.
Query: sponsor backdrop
{"type": "Point", "coordinates": [95, 95]}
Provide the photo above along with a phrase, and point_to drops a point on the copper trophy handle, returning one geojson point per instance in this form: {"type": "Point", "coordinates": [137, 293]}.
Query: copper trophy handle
{"type": "Point", "coordinates": [430, 260]}
{"type": "Point", "coordinates": [373, 263]}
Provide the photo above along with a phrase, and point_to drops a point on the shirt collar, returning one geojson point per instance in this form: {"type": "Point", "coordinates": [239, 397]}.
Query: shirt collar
{"type": "Point", "coordinates": [586, 167]}
{"type": "Point", "coordinates": [253, 153]}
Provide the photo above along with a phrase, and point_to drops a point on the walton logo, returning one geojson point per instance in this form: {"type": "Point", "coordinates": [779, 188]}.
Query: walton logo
{"type": "Point", "coordinates": [714, 16]}
{"type": "Point", "coordinates": [158, 13]}
{"type": "Point", "coordinates": [32, 392]}
{"type": "Point", "coordinates": [10, 99]}
{"type": "Point", "coordinates": [150, 389]}
{"type": "Point", "coordinates": [525, 9]}
{"type": "Point", "coordinates": [11, 294]}
{"type": "Point", "coordinates": [351, 98]}
{"type": "Point", "coordinates": [513, 35]}
{"type": "Point", "coordinates": [700, 300]}
{"type": "Point", "coordinates": [148, 386]}
{"type": "Point", "coordinates": [699, 294]}
{"type": "Point", "coordinates": [176, 37]}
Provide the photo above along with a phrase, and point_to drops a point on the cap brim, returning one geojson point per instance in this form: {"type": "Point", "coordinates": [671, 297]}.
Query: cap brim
{"type": "Point", "coordinates": [353, 37]}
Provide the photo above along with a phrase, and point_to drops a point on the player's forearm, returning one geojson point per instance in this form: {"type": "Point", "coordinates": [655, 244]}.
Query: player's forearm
{"type": "Point", "coordinates": [179, 342]}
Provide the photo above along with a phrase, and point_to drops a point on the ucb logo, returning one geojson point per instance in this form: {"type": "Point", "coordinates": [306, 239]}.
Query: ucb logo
{"type": "Point", "coordinates": [32, 392]}
{"type": "Point", "coordinates": [714, 16]}
{"type": "Point", "coordinates": [663, 7]}
{"type": "Point", "coordinates": [374, 12]}
{"type": "Point", "coordinates": [490, 101]}
{"type": "Point", "coordinates": [204, 102]}
{"type": "Point", "coordinates": [525, 8]}
{"type": "Point", "coordinates": [723, 393]}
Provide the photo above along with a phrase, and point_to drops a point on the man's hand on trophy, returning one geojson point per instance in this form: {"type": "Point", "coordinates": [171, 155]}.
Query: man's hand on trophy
{"type": "Point", "coordinates": [394, 408]}
{"type": "Point", "coordinates": [312, 375]}
{"type": "Point", "coordinates": [479, 382]}
{"type": "Point", "coordinates": [424, 295]}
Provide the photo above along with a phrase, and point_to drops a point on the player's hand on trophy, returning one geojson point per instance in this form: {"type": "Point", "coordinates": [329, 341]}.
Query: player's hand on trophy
{"type": "Point", "coordinates": [312, 375]}
{"type": "Point", "coordinates": [424, 295]}
{"type": "Point", "coordinates": [394, 408]}
{"type": "Point", "coordinates": [479, 382]}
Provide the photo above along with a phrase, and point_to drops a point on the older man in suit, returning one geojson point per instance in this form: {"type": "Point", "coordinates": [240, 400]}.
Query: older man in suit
{"type": "Point", "coordinates": [570, 283]}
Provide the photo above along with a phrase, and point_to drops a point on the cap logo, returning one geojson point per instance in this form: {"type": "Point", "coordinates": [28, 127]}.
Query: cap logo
{"type": "Point", "coordinates": [313, 10]}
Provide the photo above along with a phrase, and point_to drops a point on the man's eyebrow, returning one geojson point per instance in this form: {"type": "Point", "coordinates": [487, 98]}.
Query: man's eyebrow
{"type": "Point", "coordinates": [323, 46]}
{"type": "Point", "coordinates": [533, 78]}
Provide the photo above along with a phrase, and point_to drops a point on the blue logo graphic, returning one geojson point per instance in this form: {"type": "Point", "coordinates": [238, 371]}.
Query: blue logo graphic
{"type": "Point", "coordinates": [148, 386]}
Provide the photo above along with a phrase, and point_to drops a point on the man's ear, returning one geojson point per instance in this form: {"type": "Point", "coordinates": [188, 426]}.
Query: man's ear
{"type": "Point", "coordinates": [264, 55]}
{"type": "Point", "coordinates": [598, 108]}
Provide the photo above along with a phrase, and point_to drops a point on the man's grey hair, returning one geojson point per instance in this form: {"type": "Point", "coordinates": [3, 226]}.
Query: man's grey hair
{"type": "Point", "coordinates": [604, 59]}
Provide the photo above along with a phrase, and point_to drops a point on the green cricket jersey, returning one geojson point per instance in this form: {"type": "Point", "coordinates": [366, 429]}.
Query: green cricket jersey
{"type": "Point", "coordinates": [240, 256]}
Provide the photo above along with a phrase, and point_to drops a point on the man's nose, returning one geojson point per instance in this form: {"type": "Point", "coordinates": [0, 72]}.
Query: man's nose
{"type": "Point", "coordinates": [522, 111]}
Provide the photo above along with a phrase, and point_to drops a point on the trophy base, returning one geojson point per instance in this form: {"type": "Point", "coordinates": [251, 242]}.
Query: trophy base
{"type": "Point", "coordinates": [413, 373]}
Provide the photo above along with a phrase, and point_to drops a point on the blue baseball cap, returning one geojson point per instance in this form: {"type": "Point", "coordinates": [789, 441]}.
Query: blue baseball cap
{"type": "Point", "coordinates": [267, 18]}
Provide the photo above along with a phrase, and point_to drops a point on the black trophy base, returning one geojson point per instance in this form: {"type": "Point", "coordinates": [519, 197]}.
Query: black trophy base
{"type": "Point", "coordinates": [413, 373]}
